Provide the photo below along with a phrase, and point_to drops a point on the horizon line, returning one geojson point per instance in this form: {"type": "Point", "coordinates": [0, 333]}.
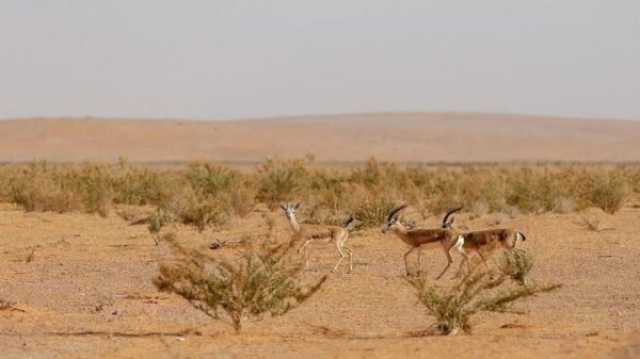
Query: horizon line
{"type": "Point", "coordinates": [317, 115]}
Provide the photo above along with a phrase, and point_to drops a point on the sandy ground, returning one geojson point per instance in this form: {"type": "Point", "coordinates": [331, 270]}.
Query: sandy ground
{"type": "Point", "coordinates": [421, 137]}
{"type": "Point", "coordinates": [83, 288]}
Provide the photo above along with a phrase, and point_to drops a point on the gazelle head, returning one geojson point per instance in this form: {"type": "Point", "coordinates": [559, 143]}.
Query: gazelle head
{"type": "Point", "coordinates": [290, 210]}
{"type": "Point", "coordinates": [351, 223]}
{"type": "Point", "coordinates": [447, 221]}
{"type": "Point", "coordinates": [391, 221]}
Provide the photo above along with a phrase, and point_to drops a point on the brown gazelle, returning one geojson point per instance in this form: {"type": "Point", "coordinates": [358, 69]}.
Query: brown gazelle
{"type": "Point", "coordinates": [309, 233]}
{"type": "Point", "coordinates": [484, 242]}
{"type": "Point", "coordinates": [419, 238]}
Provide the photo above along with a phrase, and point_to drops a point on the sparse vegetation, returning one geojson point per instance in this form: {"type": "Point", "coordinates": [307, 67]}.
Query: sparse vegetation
{"type": "Point", "coordinates": [478, 291]}
{"type": "Point", "coordinates": [206, 194]}
{"type": "Point", "coordinates": [264, 279]}
{"type": "Point", "coordinates": [516, 264]}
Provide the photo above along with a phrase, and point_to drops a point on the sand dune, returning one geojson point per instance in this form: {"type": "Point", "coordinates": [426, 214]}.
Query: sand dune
{"type": "Point", "coordinates": [423, 137]}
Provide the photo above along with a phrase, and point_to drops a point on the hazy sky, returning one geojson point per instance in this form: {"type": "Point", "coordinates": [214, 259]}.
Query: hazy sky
{"type": "Point", "coordinates": [233, 58]}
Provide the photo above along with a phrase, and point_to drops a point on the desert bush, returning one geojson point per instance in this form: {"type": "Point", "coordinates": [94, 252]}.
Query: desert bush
{"type": "Point", "coordinates": [478, 291]}
{"type": "Point", "coordinates": [37, 187]}
{"type": "Point", "coordinates": [516, 264]}
{"type": "Point", "coordinates": [608, 191]}
{"type": "Point", "coordinates": [265, 279]}
{"type": "Point", "coordinates": [279, 181]}
{"type": "Point", "coordinates": [211, 193]}
{"type": "Point", "coordinates": [210, 179]}
{"type": "Point", "coordinates": [158, 219]}
{"type": "Point", "coordinates": [94, 184]}
{"type": "Point", "coordinates": [141, 186]}
{"type": "Point", "coordinates": [187, 207]}
{"type": "Point", "coordinates": [372, 211]}
{"type": "Point", "coordinates": [531, 191]}
{"type": "Point", "coordinates": [242, 198]}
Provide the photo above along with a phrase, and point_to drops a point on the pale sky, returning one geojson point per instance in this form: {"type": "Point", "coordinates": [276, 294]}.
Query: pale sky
{"type": "Point", "coordinates": [235, 59]}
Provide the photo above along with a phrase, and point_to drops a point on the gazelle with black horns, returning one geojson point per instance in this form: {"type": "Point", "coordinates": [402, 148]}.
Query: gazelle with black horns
{"type": "Point", "coordinates": [419, 238]}
{"type": "Point", "coordinates": [485, 242]}
{"type": "Point", "coordinates": [309, 233]}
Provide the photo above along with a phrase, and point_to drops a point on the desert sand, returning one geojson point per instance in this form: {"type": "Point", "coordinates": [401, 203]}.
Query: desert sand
{"type": "Point", "coordinates": [83, 288]}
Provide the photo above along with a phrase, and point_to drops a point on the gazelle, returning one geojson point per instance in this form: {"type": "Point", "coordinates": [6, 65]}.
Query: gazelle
{"type": "Point", "coordinates": [485, 242]}
{"type": "Point", "coordinates": [310, 233]}
{"type": "Point", "coordinates": [419, 238]}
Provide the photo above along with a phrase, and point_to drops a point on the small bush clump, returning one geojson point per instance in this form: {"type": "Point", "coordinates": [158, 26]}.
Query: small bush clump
{"type": "Point", "coordinates": [516, 264]}
{"type": "Point", "coordinates": [265, 279]}
{"type": "Point", "coordinates": [278, 181]}
{"type": "Point", "coordinates": [478, 291]}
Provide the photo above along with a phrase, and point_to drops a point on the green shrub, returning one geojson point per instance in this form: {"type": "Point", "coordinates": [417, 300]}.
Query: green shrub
{"type": "Point", "coordinates": [209, 179]}
{"type": "Point", "coordinates": [265, 279]}
{"type": "Point", "coordinates": [189, 208]}
{"type": "Point", "coordinates": [609, 192]}
{"type": "Point", "coordinates": [280, 181]}
{"type": "Point", "coordinates": [478, 291]}
{"type": "Point", "coordinates": [142, 186]}
{"type": "Point", "coordinates": [516, 264]}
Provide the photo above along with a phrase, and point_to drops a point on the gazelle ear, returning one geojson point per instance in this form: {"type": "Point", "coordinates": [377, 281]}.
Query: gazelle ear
{"type": "Point", "coordinates": [284, 208]}
{"type": "Point", "coordinates": [297, 206]}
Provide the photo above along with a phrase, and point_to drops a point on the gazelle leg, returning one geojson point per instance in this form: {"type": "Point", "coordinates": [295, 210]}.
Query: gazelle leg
{"type": "Point", "coordinates": [465, 258]}
{"type": "Point", "coordinates": [350, 258]}
{"type": "Point", "coordinates": [449, 260]}
{"type": "Point", "coordinates": [341, 253]}
{"type": "Point", "coordinates": [419, 272]}
{"type": "Point", "coordinates": [406, 263]}
{"type": "Point", "coordinates": [350, 253]}
{"type": "Point", "coordinates": [303, 249]}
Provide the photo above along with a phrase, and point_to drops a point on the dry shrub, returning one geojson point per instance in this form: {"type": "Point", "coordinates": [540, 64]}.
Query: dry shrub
{"type": "Point", "coordinates": [210, 180]}
{"type": "Point", "coordinates": [37, 187]}
{"type": "Point", "coordinates": [94, 183]}
{"type": "Point", "coordinates": [372, 211]}
{"type": "Point", "coordinates": [279, 181]}
{"type": "Point", "coordinates": [242, 198]}
{"type": "Point", "coordinates": [212, 192]}
{"type": "Point", "coordinates": [516, 264]}
{"type": "Point", "coordinates": [265, 279]}
{"type": "Point", "coordinates": [189, 208]}
{"type": "Point", "coordinates": [532, 191]}
{"type": "Point", "coordinates": [608, 192]}
{"type": "Point", "coordinates": [158, 219]}
{"type": "Point", "coordinates": [478, 291]}
{"type": "Point", "coordinates": [141, 186]}
{"type": "Point", "coordinates": [369, 206]}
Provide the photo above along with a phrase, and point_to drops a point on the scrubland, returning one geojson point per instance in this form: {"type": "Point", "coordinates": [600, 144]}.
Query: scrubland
{"type": "Point", "coordinates": [115, 259]}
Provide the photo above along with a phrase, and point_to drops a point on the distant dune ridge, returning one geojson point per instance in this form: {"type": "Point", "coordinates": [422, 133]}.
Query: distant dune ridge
{"type": "Point", "coordinates": [415, 137]}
